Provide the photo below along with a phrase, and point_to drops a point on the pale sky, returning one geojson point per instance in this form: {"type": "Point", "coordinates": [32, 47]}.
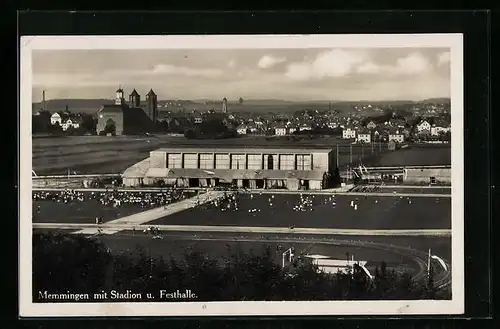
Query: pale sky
{"type": "Point", "coordinates": [290, 74]}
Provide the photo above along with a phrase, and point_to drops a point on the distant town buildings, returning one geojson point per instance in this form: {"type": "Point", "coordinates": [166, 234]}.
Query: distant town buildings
{"type": "Point", "coordinates": [359, 123]}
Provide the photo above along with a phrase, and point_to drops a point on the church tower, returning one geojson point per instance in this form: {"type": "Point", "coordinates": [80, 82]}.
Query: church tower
{"type": "Point", "coordinates": [152, 105]}
{"type": "Point", "coordinates": [119, 100]}
{"type": "Point", "coordinates": [224, 105]}
{"type": "Point", "coordinates": [134, 99]}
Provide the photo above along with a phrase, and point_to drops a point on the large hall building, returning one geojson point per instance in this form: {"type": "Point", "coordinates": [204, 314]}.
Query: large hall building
{"type": "Point", "coordinates": [123, 118]}
{"type": "Point", "coordinates": [254, 168]}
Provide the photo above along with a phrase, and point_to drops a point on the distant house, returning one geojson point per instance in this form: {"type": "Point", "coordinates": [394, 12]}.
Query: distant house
{"type": "Point", "coordinates": [348, 133]}
{"type": "Point", "coordinates": [423, 125]}
{"type": "Point", "coordinates": [280, 131]}
{"type": "Point", "coordinates": [55, 119]}
{"type": "Point", "coordinates": [396, 136]}
{"type": "Point", "coordinates": [241, 130]}
{"type": "Point", "coordinates": [198, 120]}
{"type": "Point", "coordinates": [305, 126]}
{"type": "Point", "coordinates": [71, 123]}
{"type": "Point", "coordinates": [292, 129]}
{"type": "Point", "coordinates": [364, 136]}
{"type": "Point", "coordinates": [332, 125]}
{"type": "Point", "coordinates": [371, 125]}
{"type": "Point", "coordinates": [252, 128]}
{"type": "Point", "coordinates": [439, 128]}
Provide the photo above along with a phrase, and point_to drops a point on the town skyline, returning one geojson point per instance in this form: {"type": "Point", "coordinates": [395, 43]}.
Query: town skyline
{"type": "Point", "coordinates": [295, 75]}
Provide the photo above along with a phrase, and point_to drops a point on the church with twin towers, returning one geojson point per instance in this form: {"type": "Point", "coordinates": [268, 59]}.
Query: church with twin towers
{"type": "Point", "coordinates": [132, 117]}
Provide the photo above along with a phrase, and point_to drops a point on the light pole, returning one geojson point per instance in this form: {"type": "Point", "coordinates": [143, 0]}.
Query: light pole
{"type": "Point", "coordinates": [439, 259]}
{"type": "Point", "coordinates": [289, 251]}
{"type": "Point", "coordinates": [337, 155]}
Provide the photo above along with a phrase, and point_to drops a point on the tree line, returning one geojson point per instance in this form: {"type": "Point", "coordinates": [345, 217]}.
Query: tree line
{"type": "Point", "coordinates": [65, 262]}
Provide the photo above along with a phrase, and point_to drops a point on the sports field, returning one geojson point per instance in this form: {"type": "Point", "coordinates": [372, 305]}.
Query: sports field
{"type": "Point", "coordinates": [384, 212]}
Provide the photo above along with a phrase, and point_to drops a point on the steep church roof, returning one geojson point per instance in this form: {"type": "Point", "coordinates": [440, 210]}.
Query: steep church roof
{"type": "Point", "coordinates": [151, 93]}
{"type": "Point", "coordinates": [134, 93]}
{"type": "Point", "coordinates": [111, 108]}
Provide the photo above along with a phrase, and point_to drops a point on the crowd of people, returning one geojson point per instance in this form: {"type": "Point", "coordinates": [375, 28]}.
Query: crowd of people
{"type": "Point", "coordinates": [113, 198]}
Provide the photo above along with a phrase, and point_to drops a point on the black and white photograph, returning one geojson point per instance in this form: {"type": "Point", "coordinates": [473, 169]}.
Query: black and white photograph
{"type": "Point", "coordinates": [241, 175]}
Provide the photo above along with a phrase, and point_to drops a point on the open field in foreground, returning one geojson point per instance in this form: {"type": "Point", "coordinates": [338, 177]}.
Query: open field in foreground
{"type": "Point", "coordinates": [100, 154]}
{"type": "Point", "coordinates": [385, 212]}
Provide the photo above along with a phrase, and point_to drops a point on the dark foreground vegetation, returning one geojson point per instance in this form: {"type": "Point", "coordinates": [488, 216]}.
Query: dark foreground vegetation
{"type": "Point", "coordinates": [64, 263]}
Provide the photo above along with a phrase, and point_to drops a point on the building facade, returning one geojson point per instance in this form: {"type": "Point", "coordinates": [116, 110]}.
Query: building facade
{"type": "Point", "coordinates": [121, 118]}
{"type": "Point", "coordinates": [55, 119]}
{"type": "Point", "coordinates": [348, 133]}
{"type": "Point", "coordinates": [280, 131]}
{"type": "Point", "coordinates": [423, 125]}
{"type": "Point", "coordinates": [396, 137]}
{"type": "Point", "coordinates": [364, 137]}
{"type": "Point", "coordinates": [261, 168]}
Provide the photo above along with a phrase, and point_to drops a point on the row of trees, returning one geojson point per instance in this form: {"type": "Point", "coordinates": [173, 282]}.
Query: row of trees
{"type": "Point", "coordinates": [64, 262]}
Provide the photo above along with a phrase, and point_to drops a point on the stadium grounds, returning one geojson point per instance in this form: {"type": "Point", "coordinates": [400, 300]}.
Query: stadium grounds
{"type": "Point", "coordinates": [277, 210]}
{"type": "Point", "coordinates": [389, 212]}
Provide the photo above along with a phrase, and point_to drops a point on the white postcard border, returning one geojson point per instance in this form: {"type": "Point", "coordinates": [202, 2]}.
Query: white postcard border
{"type": "Point", "coordinates": [421, 307]}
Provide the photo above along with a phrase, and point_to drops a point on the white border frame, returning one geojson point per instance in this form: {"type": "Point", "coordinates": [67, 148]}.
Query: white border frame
{"type": "Point", "coordinates": [421, 307]}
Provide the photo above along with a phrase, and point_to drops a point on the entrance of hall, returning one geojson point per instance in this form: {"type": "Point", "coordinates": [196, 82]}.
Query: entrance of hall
{"type": "Point", "coordinates": [194, 182]}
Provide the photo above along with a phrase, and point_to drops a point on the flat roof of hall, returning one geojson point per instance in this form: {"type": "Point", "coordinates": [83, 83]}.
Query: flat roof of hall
{"type": "Point", "coordinates": [254, 149]}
